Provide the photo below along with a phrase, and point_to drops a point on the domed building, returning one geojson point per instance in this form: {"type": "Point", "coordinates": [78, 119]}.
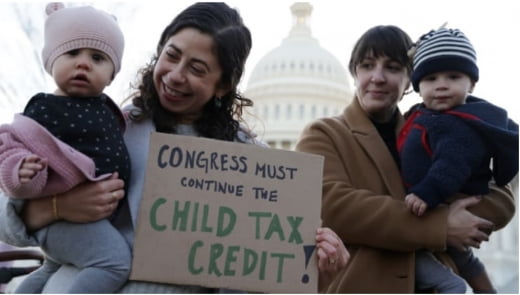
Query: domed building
{"type": "Point", "coordinates": [294, 84]}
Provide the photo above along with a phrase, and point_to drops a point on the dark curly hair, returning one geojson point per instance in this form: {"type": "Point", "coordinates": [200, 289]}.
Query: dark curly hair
{"type": "Point", "coordinates": [233, 43]}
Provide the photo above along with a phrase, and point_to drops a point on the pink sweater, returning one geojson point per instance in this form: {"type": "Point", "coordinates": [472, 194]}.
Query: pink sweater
{"type": "Point", "coordinates": [67, 167]}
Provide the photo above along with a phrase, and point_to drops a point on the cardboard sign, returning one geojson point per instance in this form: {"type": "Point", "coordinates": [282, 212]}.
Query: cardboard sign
{"type": "Point", "coordinates": [228, 215]}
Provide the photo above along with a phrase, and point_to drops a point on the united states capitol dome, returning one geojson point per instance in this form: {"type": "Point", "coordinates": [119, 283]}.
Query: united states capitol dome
{"type": "Point", "coordinates": [296, 83]}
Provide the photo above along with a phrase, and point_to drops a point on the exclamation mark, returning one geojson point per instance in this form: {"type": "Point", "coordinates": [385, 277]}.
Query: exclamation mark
{"type": "Point", "coordinates": [308, 254]}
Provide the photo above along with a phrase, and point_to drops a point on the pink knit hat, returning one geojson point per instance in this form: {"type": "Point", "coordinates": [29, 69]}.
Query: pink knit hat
{"type": "Point", "coordinates": [72, 28]}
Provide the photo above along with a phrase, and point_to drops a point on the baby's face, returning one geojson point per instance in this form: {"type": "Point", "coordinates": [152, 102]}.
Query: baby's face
{"type": "Point", "coordinates": [444, 90]}
{"type": "Point", "coordinates": [82, 72]}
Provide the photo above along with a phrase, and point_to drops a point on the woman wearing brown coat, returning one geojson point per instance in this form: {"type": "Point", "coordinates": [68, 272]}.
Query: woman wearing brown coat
{"type": "Point", "coordinates": [363, 193]}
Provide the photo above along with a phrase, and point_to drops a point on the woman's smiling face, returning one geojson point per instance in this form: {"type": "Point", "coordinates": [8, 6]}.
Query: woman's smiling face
{"type": "Point", "coordinates": [187, 74]}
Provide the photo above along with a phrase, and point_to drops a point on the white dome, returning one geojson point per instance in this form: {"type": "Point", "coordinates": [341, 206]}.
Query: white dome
{"type": "Point", "coordinates": [299, 60]}
{"type": "Point", "coordinates": [296, 83]}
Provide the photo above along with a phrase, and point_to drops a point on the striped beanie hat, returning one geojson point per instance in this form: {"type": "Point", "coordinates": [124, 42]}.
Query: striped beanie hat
{"type": "Point", "coordinates": [73, 28]}
{"type": "Point", "coordinates": [443, 50]}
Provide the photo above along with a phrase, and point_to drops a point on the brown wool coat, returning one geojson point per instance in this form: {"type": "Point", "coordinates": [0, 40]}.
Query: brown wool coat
{"type": "Point", "coordinates": [363, 203]}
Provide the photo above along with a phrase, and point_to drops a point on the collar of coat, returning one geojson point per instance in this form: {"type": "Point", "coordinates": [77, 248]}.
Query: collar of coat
{"type": "Point", "coordinates": [366, 134]}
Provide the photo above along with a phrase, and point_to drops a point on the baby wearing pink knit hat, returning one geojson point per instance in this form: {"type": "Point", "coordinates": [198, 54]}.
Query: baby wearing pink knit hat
{"type": "Point", "coordinates": [72, 28]}
{"type": "Point", "coordinates": [68, 137]}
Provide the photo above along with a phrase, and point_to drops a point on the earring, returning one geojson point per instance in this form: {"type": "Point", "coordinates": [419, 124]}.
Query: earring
{"type": "Point", "coordinates": [218, 102]}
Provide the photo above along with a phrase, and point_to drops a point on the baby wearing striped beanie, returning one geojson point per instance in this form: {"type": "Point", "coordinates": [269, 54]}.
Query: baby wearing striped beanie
{"type": "Point", "coordinates": [446, 147]}
{"type": "Point", "coordinates": [443, 50]}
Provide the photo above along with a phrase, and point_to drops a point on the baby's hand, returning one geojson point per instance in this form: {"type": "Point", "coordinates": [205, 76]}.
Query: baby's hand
{"type": "Point", "coordinates": [30, 166]}
{"type": "Point", "coordinates": [415, 204]}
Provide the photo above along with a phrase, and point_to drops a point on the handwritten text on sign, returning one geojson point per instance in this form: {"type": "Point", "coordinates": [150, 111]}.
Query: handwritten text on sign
{"type": "Point", "coordinates": [228, 215]}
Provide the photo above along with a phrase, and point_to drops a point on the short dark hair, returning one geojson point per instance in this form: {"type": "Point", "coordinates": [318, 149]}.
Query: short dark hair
{"type": "Point", "coordinates": [390, 41]}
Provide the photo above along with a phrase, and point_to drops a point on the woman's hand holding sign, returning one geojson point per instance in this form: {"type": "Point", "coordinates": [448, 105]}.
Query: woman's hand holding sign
{"type": "Point", "coordinates": [332, 255]}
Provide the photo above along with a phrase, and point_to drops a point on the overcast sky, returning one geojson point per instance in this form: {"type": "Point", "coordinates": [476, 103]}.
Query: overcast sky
{"type": "Point", "coordinates": [492, 26]}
